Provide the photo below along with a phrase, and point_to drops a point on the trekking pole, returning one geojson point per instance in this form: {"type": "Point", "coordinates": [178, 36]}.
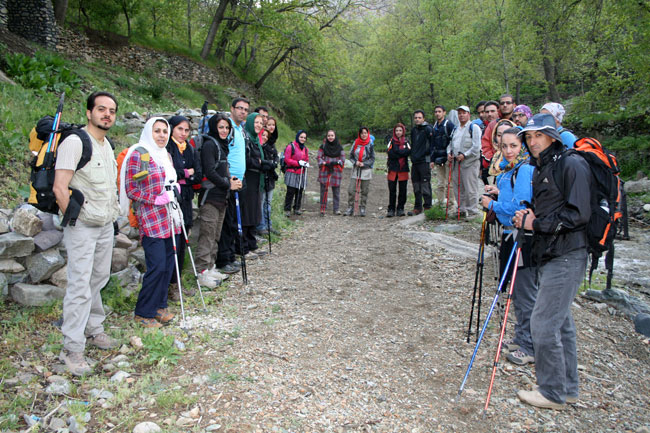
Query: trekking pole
{"type": "Point", "coordinates": [189, 250]}
{"type": "Point", "coordinates": [479, 268]}
{"type": "Point", "coordinates": [458, 204]}
{"type": "Point", "coordinates": [451, 168]}
{"type": "Point", "coordinates": [518, 245]}
{"type": "Point", "coordinates": [487, 319]}
{"type": "Point", "coordinates": [357, 191]}
{"type": "Point", "coordinates": [51, 145]}
{"type": "Point", "coordinates": [267, 208]}
{"type": "Point", "coordinates": [244, 274]}
{"type": "Point", "coordinates": [172, 206]}
{"type": "Point", "coordinates": [323, 203]}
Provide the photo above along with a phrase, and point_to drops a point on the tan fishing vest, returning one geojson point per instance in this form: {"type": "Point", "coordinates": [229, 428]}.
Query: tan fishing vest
{"type": "Point", "coordinates": [97, 181]}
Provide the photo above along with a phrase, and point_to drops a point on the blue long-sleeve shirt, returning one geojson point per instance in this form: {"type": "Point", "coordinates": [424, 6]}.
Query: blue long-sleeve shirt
{"type": "Point", "coordinates": [510, 198]}
{"type": "Point", "coordinates": [237, 152]}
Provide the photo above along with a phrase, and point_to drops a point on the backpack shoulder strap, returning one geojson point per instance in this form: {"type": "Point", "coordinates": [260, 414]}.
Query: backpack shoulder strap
{"type": "Point", "coordinates": [144, 164]}
{"type": "Point", "coordinates": [86, 146]}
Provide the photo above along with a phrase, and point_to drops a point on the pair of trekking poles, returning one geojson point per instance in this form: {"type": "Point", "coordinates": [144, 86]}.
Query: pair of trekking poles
{"type": "Point", "coordinates": [451, 169]}
{"type": "Point", "coordinates": [357, 191]}
{"type": "Point", "coordinates": [515, 249]}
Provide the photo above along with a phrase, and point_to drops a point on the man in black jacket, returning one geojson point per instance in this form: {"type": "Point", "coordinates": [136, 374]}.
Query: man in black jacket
{"type": "Point", "coordinates": [441, 137]}
{"type": "Point", "coordinates": [421, 138]}
{"type": "Point", "coordinates": [561, 201]}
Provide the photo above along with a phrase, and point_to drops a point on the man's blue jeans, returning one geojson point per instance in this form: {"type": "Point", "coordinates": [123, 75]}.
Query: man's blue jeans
{"type": "Point", "coordinates": [266, 199]}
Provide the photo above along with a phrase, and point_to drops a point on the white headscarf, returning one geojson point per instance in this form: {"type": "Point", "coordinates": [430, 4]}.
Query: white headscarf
{"type": "Point", "coordinates": [157, 153]}
{"type": "Point", "coordinates": [557, 110]}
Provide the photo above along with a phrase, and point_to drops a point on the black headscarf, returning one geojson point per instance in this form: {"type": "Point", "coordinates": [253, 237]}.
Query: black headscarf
{"type": "Point", "coordinates": [273, 136]}
{"type": "Point", "coordinates": [332, 149]}
{"type": "Point", "coordinates": [296, 141]}
{"type": "Point", "coordinates": [174, 121]}
{"type": "Point", "coordinates": [214, 132]}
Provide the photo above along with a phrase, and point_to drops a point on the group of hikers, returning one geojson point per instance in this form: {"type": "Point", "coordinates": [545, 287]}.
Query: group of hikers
{"type": "Point", "coordinates": [520, 158]}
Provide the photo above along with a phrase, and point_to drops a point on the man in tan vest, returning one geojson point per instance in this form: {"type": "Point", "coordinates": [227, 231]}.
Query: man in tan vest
{"type": "Point", "coordinates": [89, 242]}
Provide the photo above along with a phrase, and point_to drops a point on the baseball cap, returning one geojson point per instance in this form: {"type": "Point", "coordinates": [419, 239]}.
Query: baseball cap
{"type": "Point", "coordinates": [464, 108]}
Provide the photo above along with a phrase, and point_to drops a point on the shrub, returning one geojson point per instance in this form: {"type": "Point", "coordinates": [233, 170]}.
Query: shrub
{"type": "Point", "coordinates": [43, 72]}
{"type": "Point", "coordinates": [436, 212]}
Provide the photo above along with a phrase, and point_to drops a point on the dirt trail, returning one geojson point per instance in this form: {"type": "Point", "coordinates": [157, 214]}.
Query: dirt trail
{"type": "Point", "coordinates": [350, 326]}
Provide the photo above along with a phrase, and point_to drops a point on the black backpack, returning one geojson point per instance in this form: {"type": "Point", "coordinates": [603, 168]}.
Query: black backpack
{"type": "Point", "coordinates": [283, 163]}
{"type": "Point", "coordinates": [44, 162]}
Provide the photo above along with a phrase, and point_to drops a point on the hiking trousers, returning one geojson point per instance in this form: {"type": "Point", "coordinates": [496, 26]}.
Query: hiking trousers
{"type": "Point", "coordinates": [211, 218]}
{"type": "Point", "coordinates": [363, 195]}
{"type": "Point", "coordinates": [393, 195]}
{"type": "Point", "coordinates": [469, 184]}
{"type": "Point", "coordinates": [421, 180]}
{"type": "Point", "coordinates": [90, 251]}
{"type": "Point", "coordinates": [441, 174]}
{"type": "Point", "coordinates": [552, 326]}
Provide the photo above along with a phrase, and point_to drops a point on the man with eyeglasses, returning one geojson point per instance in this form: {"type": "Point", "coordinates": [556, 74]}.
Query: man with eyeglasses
{"type": "Point", "coordinates": [506, 106]}
{"type": "Point", "coordinates": [521, 114]}
{"type": "Point", "coordinates": [237, 164]}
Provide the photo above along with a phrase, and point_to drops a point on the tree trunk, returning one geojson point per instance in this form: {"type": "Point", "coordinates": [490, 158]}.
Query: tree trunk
{"type": "Point", "coordinates": [220, 52]}
{"type": "Point", "coordinates": [214, 27]}
{"type": "Point", "coordinates": [242, 43]}
{"type": "Point", "coordinates": [549, 74]}
{"type": "Point", "coordinates": [155, 21]}
{"type": "Point", "coordinates": [253, 52]}
{"type": "Point", "coordinates": [189, 21]}
{"type": "Point", "coordinates": [274, 65]}
{"type": "Point", "coordinates": [60, 8]}
{"type": "Point", "coordinates": [128, 20]}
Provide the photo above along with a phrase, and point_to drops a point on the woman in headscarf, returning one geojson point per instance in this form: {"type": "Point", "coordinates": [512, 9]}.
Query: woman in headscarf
{"type": "Point", "coordinates": [188, 171]}
{"type": "Point", "coordinates": [331, 160]}
{"type": "Point", "coordinates": [362, 157]}
{"type": "Point", "coordinates": [513, 188]}
{"type": "Point", "coordinates": [214, 197]}
{"type": "Point", "coordinates": [249, 197]}
{"type": "Point", "coordinates": [398, 170]}
{"type": "Point", "coordinates": [296, 157]}
{"type": "Point", "coordinates": [269, 164]}
{"type": "Point", "coordinates": [497, 157]}
{"type": "Point", "coordinates": [150, 188]}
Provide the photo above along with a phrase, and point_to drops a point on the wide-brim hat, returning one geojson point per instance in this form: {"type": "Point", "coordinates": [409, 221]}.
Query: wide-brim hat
{"type": "Point", "coordinates": [542, 122]}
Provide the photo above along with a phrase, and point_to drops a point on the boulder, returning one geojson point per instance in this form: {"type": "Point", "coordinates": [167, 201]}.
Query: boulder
{"type": "Point", "coordinates": [41, 266]}
{"type": "Point", "coordinates": [637, 186]}
{"type": "Point", "coordinates": [137, 257]}
{"type": "Point", "coordinates": [4, 224]}
{"type": "Point", "coordinates": [642, 324]}
{"type": "Point", "coordinates": [34, 295]}
{"type": "Point", "coordinates": [120, 259]}
{"type": "Point", "coordinates": [14, 245]}
{"type": "Point", "coordinates": [60, 277]}
{"type": "Point", "coordinates": [4, 285]}
{"type": "Point", "coordinates": [10, 266]}
{"type": "Point", "coordinates": [26, 223]}
{"type": "Point", "coordinates": [47, 239]}
{"type": "Point", "coordinates": [129, 278]}
{"type": "Point", "coordinates": [122, 223]}
{"type": "Point", "coordinates": [122, 241]}
{"type": "Point", "coordinates": [18, 277]}
{"type": "Point", "coordinates": [48, 221]}
{"type": "Point", "coordinates": [188, 112]}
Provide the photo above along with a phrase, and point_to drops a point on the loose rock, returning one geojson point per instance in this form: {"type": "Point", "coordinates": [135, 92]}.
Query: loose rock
{"type": "Point", "coordinates": [26, 223]}
{"type": "Point", "coordinates": [42, 265]}
{"type": "Point", "coordinates": [14, 245]}
{"type": "Point", "coordinates": [35, 295]}
{"type": "Point", "coordinates": [146, 427]}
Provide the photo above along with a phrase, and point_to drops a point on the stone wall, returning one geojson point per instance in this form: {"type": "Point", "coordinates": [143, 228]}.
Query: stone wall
{"type": "Point", "coordinates": [3, 14]}
{"type": "Point", "coordinates": [33, 20]}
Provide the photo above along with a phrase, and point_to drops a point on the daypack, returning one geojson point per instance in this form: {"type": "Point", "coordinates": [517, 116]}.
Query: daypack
{"type": "Point", "coordinates": [606, 194]}
{"type": "Point", "coordinates": [43, 164]}
{"type": "Point", "coordinates": [142, 174]}
{"type": "Point", "coordinates": [283, 163]}
{"type": "Point", "coordinates": [198, 142]}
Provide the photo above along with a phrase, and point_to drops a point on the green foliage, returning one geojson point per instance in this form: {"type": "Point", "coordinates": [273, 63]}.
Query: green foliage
{"type": "Point", "coordinates": [171, 398]}
{"type": "Point", "coordinates": [42, 71]}
{"type": "Point", "coordinates": [160, 348]}
{"type": "Point", "coordinates": [116, 297]}
{"type": "Point", "coordinates": [632, 154]}
{"type": "Point", "coordinates": [435, 213]}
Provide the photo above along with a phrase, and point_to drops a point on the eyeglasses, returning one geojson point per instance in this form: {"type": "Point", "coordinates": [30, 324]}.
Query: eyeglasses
{"type": "Point", "coordinates": [241, 108]}
{"type": "Point", "coordinates": [506, 103]}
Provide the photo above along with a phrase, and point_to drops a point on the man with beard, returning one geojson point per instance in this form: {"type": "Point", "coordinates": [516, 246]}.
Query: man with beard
{"type": "Point", "coordinates": [441, 137]}
{"type": "Point", "coordinates": [89, 240]}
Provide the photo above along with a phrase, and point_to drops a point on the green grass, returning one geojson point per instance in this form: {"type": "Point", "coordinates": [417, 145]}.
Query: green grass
{"type": "Point", "coordinates": [435, 213]}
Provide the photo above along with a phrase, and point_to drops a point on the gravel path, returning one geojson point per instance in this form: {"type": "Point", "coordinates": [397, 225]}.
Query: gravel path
{"type": "Point", "coordinates": [352, 326]}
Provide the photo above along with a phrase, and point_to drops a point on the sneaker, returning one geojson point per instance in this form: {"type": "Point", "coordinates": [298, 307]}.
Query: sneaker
{"type": "Point", "coordinates": [102, 341]}
{"type": "Point", "coordinates": [163, 316]}
{"type": "Point", "coordinates": [287, 213]}
{"type": "Point", "coordinates": [362, 211]}
{"type": "Point", "coordinates": [570, 399]}
{"type": "Point", "coordinates": [390, 214]}
{"type": "Point", "coordinates": [400, 213]}
{"type": "Point", "coordinates": [230, 268]}
{"type": "Point", "coordinates": [510, 345]}
{"type": "Point", "coordinates": [147, 322]}
{"type": "Point", "coordinates": [250, 255]}
{"type": "Point", "coordinates": [348, 212]}
{"type": "Point", "coordinates": [322, 214]}
{"type": "Point", "coordinates": [337, 212]}
{"type": "Point", "coordinates": [520, 357]}
{"type": "Point", "coordinates": [261, 253]}
{"type": "Point", "coordinates": [535, 398]}
{"type": "Point", "coordinates": [75, 363]}
{"type": "Point", "coordinates": [216, 274]}
{"type": "Point", "coordinates": [297, 212]}
{"type": "Point", "coordinates": [208, 280]}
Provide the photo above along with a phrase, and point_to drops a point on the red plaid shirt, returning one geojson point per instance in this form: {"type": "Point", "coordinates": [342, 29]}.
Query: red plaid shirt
{"type": "Point", "coordinates": [153, 219]}
{"type": "Point", "coordinates": [335, 173]}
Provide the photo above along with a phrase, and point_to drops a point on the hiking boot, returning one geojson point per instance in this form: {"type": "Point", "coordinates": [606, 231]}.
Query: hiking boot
{"type": "Point", "coordinates": [570, 399]}
{"type": "Point", "coordinates": [163, 316]}
{"type": "Point", "coordinates": [414, 212]}
{"type": "Point", "coordinates": [348, 212]}
{"type": "Point", "coordinates": [400, 213]}
{"type": "Point", "coordinates": [230, 268]}
{"type": "Point", "coordinates": [216, 274]}
{"type": "Point", "coordinates": [520, 357]}
{"type": "Point", "coordinates": [535, 398]}
{"type": "Point", "coordinates": [362, 211]}
{"type": "Point", "coordinates": [337, 212]}
{"type": "Point", "coordinates": [322, 214]}
{"type": "Point", "coordinates": [102, 341]}
{"type": "Point", "coordinates": [510, 345]}
{"type": "Point", "coordinates": [208, 280]}
{"type": "Point", "coordinates": [75, 363]}
{"type": "Point", "coordinates": [390, 213]}
{"type": "Point", "coordinates": [297, 212]}
{"type": "Point", "coordinates": [287, 213]}
{"type": "Point", "coordinates": [250, 255]}
{"type": "Point", "coordinates": [147, 322]}
{"type": "Point", "coordinates": [261, 253]}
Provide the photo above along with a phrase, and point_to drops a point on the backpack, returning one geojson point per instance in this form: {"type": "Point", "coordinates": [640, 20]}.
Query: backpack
{"type": "Point", "coordinates": [198, 142]}
{"type": "Point", "coordinates": [43, 164]}
{"type": "Point", "coordinates": [283, 163]}
{"type": "Point", "coordinates": [142, 174]}
{"type": "Point", "coordinates": [606, 194]}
